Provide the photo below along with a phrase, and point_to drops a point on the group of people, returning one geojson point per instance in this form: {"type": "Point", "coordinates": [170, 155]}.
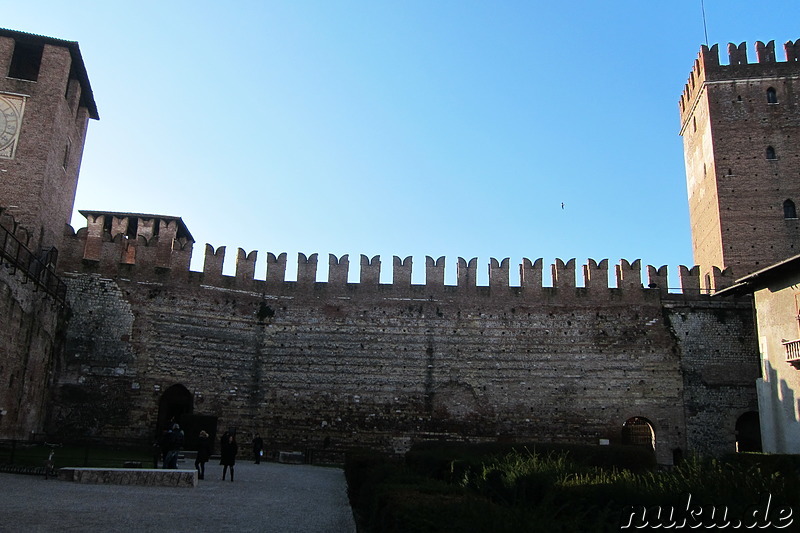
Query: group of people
{"type": "Point", "coordinates": [171, 442]}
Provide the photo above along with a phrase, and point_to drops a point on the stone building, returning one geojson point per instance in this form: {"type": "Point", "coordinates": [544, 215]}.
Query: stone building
{"type": "Point", "coordinates": [45, 106]}
{"type": "Point", "coordinates": [324, 367]}
{"type": "Point", "coordinates": [777, 303]}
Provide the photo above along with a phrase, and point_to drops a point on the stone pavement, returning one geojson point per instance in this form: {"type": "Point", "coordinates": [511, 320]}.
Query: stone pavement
{"type": "Point", "coordinates": [269, 497]}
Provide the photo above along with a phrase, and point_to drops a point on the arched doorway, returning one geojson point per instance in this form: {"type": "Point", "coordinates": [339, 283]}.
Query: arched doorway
{"type": "Point", "coordinates": [748, 433]}
{"type": "Point", "coordinates": [638, 431]}
{"type": "Point", "coordinates": [174, 403]}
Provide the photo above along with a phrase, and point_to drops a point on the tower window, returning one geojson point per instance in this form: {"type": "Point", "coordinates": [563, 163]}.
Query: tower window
{"type": "Point", "coordinates": [25, 61]}
{"type": "Point", "coordinates": [789, 210]}
{"type": "Point", "coordinates": [771, 153]}
{"type": "Point", "coordinates": [772, 96]}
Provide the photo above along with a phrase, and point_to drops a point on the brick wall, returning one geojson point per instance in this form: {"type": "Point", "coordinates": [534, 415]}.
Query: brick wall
{"type": "Point", "coordinates": [325, 366]}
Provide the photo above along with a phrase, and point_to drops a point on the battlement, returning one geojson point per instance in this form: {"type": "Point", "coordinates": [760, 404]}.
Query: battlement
{"type": "Point", "coordinates": [707, 67]}
{"type": "Point", "coordinates": [160, 247]}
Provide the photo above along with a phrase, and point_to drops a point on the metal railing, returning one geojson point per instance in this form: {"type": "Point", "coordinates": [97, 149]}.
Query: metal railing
{"type": "Point", "coordinates": [16, 256]}
{"type": "Point", "coordinates": [792, 351]}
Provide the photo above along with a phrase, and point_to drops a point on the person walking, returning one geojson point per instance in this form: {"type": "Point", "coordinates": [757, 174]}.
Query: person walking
{"type": "Point", "coordinates": [203, 454]}
{"type": "Point", "coordinates": [174, 441]}
{"type": "Point", "coordinates": [258, 447]}
{"type": "Point", "coordinates": [228, 455]}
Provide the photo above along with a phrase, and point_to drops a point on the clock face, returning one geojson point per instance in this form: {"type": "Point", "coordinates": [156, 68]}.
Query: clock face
{"type": "Point", "coordinates": [10, 120]}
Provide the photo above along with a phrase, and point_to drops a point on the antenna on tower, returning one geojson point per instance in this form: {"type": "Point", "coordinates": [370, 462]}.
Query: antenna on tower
{"type": "Point", "coordinates": [703, 9]}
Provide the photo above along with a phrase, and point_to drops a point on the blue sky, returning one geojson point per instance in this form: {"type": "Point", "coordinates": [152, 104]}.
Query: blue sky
{"type": "Point", "coordinates": [399, 128]}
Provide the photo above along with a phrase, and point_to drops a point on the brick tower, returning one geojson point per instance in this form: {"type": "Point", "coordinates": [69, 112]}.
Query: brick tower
{"type": "Point", "coordinates": [741, 126]}
{"type": "Point", "coordinates": [45, 106]}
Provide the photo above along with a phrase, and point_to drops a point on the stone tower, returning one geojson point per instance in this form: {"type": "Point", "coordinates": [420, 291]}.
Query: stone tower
{"type": "Point", "coordinates": [45, 106]}
{"type": "Point", "coordinates": [740, 124]}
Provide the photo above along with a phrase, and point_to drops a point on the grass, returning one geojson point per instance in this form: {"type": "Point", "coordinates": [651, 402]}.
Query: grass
{"type": "Point", "coordinates": [24, 454]}
{"type": "Point", "coordinates": [545, 488]}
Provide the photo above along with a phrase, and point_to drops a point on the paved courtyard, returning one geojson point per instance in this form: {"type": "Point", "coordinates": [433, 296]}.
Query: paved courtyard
{"type": "Point", "coordinates": [269, 497]}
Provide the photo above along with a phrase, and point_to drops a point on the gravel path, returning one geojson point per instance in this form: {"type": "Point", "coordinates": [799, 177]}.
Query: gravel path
{"type": "Point", "coordinates": [269, 497]}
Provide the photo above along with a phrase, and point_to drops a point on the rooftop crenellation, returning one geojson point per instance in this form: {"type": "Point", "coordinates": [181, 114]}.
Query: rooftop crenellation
{"type": "Point", "coordinates": [166, 255]}
{"type": "Point", "coordinates": [707, 67]}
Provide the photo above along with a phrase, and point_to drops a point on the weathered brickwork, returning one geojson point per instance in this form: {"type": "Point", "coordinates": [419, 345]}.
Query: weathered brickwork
{"type": "Point", "coordinates": [329, 366]}
{"type": "Point", "coordinates": [32, 330]}
{"type": "Point", "coordinates": [719, 366]}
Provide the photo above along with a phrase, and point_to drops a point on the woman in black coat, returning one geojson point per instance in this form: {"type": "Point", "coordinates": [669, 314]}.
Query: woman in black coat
{"type": "Point", "coordinates": [203, 454]}
{"type": "Point", "coordinates": [228, 455]}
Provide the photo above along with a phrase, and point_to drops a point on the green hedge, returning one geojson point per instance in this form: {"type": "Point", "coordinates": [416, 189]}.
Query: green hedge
{"type": "Point", "coordinates": [521, 488]}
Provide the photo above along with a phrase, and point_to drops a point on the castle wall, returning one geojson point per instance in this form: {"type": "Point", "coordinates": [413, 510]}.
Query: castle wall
{"type": "Point", "coordinates": [329, 366]}
{"type": "Point", "coordinates": [31, 334]}
{"type": "Point", "coordinates": [719, 365]}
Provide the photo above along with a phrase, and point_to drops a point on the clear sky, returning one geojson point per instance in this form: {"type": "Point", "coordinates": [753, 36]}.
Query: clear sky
{"type": "Point", "coordinates": [414, 127]}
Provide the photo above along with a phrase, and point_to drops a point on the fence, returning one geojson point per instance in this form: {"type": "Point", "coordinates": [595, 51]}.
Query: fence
{"type": "Point", "coordinates": [17, 256]}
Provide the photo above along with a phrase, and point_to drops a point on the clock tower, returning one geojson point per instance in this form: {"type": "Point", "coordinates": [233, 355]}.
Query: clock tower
{"type": "Point", "coordinates": [45, 106]}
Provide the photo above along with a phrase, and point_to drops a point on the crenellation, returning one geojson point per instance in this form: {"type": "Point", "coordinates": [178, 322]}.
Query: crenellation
{"type": "Point", "coordinates": [245, 266]}
{"type": "Point", "coordinates": [737, 55]}
{"type": "Point", "coordinates": [721, 279]}
{"type": "Point", "coordinates": [467, 272]}
{"type": "Point", "coordinates": [434, 272]}
{"type": "Point", "coordinates": [629, 275]}
{"type": "Point", "coordinates": [530, 274]}
{"type": "Point", "coordinates": [140, 255]}
{"type": "Point", "coordinates": [401, 273]}
{"type": "Point", "coordinates": [595, 275]}
{"type": "Point", "coordinates": [690, 279]}
{"type": "Point", "coordinates": [276, 267]}
{"type": "Point", "coordinates": [657, 278]}
{"type": "Point", "coordinates": [765, 52]}
{"type": "Point", "coordinates": [167, 232]}
{"type": "Point", "coordinates": [792, 50]}
{"type": "Point", "coordinates": [306, 269]}
{"type": "Point", "coordinates": [563, 274]}
{"type": "Point", "coordinates": [212, 265]}
{"type": "Point", "coordinates": [338, 269]}
{"type": "Point", "coordinates": [498, 273]}
{"type": "Point", "coordinates": [370, 270]}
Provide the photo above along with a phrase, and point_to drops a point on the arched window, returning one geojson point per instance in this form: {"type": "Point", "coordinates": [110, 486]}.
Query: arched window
{"type": "Point", "coordinates": [771, 153]}
{"type": "Point", "coordinates": [789, 210]}
{"type": "Point", "coordinates": [772, 96]}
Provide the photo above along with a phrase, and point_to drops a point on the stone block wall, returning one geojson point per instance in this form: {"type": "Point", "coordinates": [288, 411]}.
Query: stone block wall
{"type": "Point", "coordinates": [330, 366]}
{"type": "Point", "coordinates": [31, 333]}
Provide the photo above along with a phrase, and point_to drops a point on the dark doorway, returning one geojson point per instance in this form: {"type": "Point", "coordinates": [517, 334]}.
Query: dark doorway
{"type": "Point", "coordinates": [748, 433]}
{"type": "Point", "coordinates": [174, 403]}
{"type": "Point", "coordinates": [192, 425]}
{"type": "Point", "coordinates": [638, 431]}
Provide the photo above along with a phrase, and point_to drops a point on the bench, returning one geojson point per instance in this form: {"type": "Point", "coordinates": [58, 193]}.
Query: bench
{"type": "Point", "coordinates": [153, 477]}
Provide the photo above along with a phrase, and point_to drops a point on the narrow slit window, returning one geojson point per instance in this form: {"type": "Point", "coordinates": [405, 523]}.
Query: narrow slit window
{"type": "Point", "coordinates": [772, 96]}
{"type": "Point", "coordinates": [789, 209]}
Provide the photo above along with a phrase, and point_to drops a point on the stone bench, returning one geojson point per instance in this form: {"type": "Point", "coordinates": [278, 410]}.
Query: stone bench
{"type": "Point", "coordinates": [292, 458]}
{"type": "Point", "coordinates": [154, 477]}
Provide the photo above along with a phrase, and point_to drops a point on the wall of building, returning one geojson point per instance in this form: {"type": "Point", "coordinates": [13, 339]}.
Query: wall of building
{"type": "Point", "coordinates": [32, 324]}
{"type": "Point", "coordinates": [329, 366]}
{"type": "Point", "coordinates": [40, 181]}
{"type": "Point", "coordinates": [777, 306]}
